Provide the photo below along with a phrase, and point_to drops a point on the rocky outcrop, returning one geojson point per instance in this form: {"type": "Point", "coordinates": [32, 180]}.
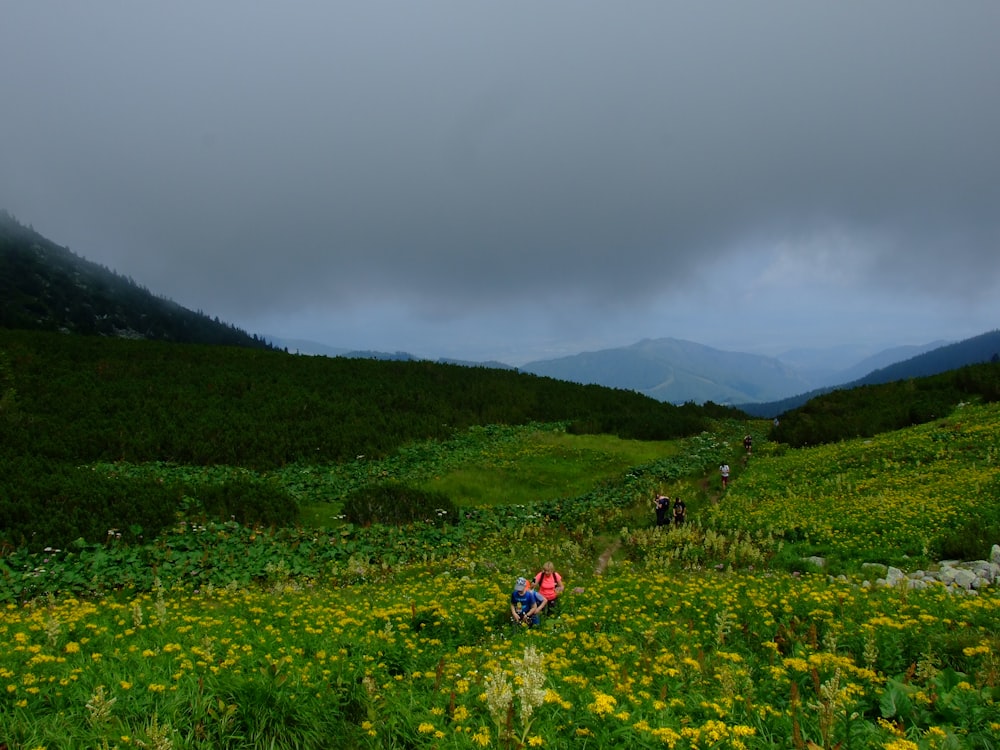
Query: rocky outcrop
{"type": "Point", "coordinates": [955, 575]}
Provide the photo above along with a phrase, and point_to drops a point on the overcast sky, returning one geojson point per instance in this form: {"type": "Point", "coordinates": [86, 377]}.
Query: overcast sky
{"type": "Point", "coordinates": [520, 180]}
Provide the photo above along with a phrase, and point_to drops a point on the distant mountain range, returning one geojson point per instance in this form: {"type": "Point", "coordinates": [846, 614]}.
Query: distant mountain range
{"type": "Point", "coordinates": [674, 370]}
{"type": "Point", "coordinates": [679, 371]}
{"type": "Point", "coordinates": [47, 287]}
{"type": "Point", "coordinates": [314, 348]}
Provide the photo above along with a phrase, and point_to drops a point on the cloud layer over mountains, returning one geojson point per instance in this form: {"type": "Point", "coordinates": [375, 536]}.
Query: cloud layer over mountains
{"type": "Point", "coordinates": [522, 180]}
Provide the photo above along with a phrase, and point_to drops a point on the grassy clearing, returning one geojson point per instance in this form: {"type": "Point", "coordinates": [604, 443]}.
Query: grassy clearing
{"type": "Point", "coordinates": [482, 468]}
{"type": "Point", "coordinates": [545, 466]}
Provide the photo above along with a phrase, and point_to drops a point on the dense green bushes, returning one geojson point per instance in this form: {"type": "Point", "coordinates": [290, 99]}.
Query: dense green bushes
{"type": "Point", "coordinates": [246, 500]}
{"type": "Point", "coordinates": [686, 419]}
{"type": "Point", "coordinates": [46, 503]}
{"type": "Point", "coordinates": [394, 504]}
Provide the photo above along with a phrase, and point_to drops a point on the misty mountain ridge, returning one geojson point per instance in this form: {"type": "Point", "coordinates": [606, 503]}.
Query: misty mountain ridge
{"type": "Point", "coordinates": [679, 371]}
{"type": "Point", "coordinates": [315, 348]}
{"type": "Point", "coordinates": [825, 367]}
{"type": "Point", "coordinates": [44, 286]}
{"type": "Point", "coordinates": [305, 346]}
{"type": "Point", "coordinates": [975, 350]}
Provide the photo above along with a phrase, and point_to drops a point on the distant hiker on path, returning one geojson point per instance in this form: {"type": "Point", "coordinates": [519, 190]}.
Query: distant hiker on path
{"type": "Point", "coordinates": [526, 603]}
{"type": "Point", "coordinates": [662, 505]}
{"type": "Point", "coordinates": [549, 584]}
{"type": "Point", "coordinates": [748, 444]}
{"type": "Point", "coordinates": [724, 473]}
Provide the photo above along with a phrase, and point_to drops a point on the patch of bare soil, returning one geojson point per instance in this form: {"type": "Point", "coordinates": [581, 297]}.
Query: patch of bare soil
{"type": "Point", "coordinates": [605, 558]}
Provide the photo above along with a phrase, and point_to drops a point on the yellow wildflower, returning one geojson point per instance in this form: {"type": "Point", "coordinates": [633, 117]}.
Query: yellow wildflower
{"type": "Point", "coordinates": [603, 704]}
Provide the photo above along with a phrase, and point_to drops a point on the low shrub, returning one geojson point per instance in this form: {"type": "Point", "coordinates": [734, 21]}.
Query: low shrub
{"type": "Point", "coordinates": [246, 500]}
{"type": "Point", "coordinates": [44, 503]}
{"type": "Point", "coordinates": [48, 503]}
{"type": "Point", "coordinates": [396, 504]}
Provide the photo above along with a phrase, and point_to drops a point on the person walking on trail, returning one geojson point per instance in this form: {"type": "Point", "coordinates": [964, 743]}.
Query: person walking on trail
{"type": "Point", "coordinates": [748, 444]}
{"type": "Point", "coordinates": [662, 505]}
{"type": "Point", "coordinates": [724, 473]}
{"type": "Point", "coordinates": [549, 584]}
{"type": "Point", "coordinates": [680, 512]}
{"type": "Point", "coordinates": [526, 604]}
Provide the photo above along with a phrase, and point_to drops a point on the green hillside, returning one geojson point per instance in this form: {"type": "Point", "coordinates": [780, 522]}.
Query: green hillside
{"type": "Point", "coordinates": [69, 401]}
{"type": "Point", "coordinates": [868, 410]}
{"type": "Point", "coordinates": [942, 360]}
{"type": "Point", "coordinates": [756, 624]}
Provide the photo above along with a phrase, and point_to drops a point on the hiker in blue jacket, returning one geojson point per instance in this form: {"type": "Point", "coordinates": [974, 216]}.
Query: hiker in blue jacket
{"type": "Point", "coordinates": [526, 603]}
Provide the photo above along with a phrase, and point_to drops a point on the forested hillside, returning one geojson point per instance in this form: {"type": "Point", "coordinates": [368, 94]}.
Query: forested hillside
{"type": "Point", "coordinates": [68, 401]}
{"type": "Point", "coordinates": [88, 398]}
{"type": "Point", "coordinates": [975, 350]}
{"type": "Point", "coordinates": [982, 348]}
{"type": "Point", "coordinates": [46, 287]}
{"type": "Point", "coordinates": [871, 409]}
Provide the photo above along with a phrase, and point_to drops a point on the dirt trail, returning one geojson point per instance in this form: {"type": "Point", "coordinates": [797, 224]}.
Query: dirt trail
{"type": "Point", "coordinates": [605, 558]}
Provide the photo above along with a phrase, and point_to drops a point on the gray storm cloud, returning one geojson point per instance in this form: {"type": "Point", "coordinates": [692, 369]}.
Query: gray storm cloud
{"type": "Point", "coordinates": [455, 158]}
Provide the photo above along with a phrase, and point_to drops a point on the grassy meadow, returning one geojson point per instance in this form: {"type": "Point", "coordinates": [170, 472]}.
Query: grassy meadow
{"type": "Point", "coordinates": [713, 635]}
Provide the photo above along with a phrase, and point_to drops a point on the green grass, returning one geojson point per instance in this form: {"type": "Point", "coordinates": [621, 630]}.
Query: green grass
{"type": "Point", "coordinates": [544, 466]}
{"type": "Point", "coordinates": [320, 515]}
{"type": "Point", "coordinates": [512, 466]}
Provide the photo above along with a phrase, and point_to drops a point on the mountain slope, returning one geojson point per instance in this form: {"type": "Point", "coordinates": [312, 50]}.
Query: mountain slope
{"type": "Point", "coordinates": [982, 348]}
{"type": "Point", "coordinates": [46, 287]}
{"type": "Point", "coordinates": [883, 359]}
{"type": "Point", "coordinates": [839, 374]}
{"type": "Point", "coordinates": [975, 350]}
{"type": "Point", "coordinates": [677, 371]}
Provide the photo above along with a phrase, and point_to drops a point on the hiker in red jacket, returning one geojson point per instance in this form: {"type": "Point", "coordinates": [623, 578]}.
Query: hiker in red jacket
{"type": "Point", "coordinates": [549, 584]}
